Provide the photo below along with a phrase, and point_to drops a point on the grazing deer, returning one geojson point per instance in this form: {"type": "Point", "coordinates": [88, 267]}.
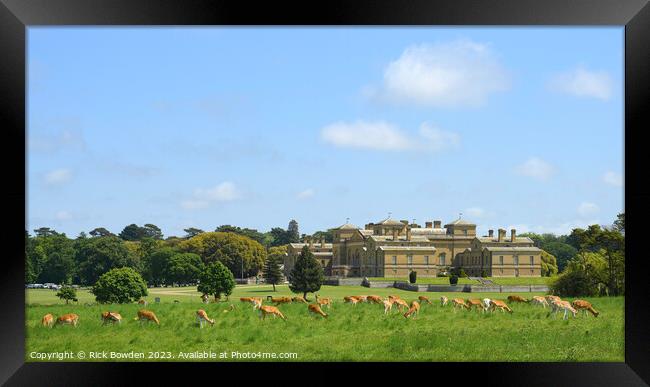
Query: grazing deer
{"type": "Point", "coordinates": [539, 300]}
{"type": "Point", "coordinates": [476, 303]}
{"type": "Point", "coordinates": [47, 320]}
{"type": "Point", "coordinates": [279, 300]}
{"type": "Point", "coordinates": [388, 305]}
{"type": "Point", "coordinates": [400, 303]}
{"type": "Point", "coordinates": [375, 299]}
{"type": "Point", "coordinates": [264, 310]}
{"type": "Point", "coordinates": [324, 301]}
{"type": "Point", "coordinates": [351, 300]}
{"type": "Point", "coordinates": [585, 306]}
{"type": "Point", "coordinates": [515, 298]}
{"type": "Point", "coordinates": [257, 303]}
{"type": "Point", "coordinates": [205, 299]}
{"type": "Point", "coordinates": [486, 303]}
{"type": "Point", "coordinates": [443, 300]}
{"type": "Point", "coordinates": [315, 308]}
{"type": "Point", "coordinates": [70, 318]}
{"type": "Point", "coordinates": [362, 298]}
{"type": "Point", "coordinates": [111, 317]}
{"type": "Point", "coordinates": [424, 299]}
{"type": "Point", "coordinates": [565, 306]}
{"type": "Point", "coordinates": [202, 317]}
{"type": "Point", "coordinates": [414, 309]}
{"type": "Point", "coordinates": [143, 302]}
{"type": "Point", "coordinates": [550, 299]}
{"type": "Point", "coordinates": [499, 304]}
{"type": "Point", "coordinates": [147, 315]}
{"type": "Point", "coordinates": [299, 299]}
{"type": "Point", "coordinates": [459, 303]}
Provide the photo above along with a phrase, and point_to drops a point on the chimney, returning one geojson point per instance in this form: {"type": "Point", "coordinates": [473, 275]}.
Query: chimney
{"type": "Point", "coordinates": [513, 235]}
{"type": "Point", "coordinates": [394, 234]}
{"type": "Point", "coordinates": [491, 233]}
{"type": "Point", "coordinates": [428, 224]}
{"type": "Point", "coordinates": [437, 224]}
{"type": "Point", "coordinates": [502, 234]}
{"type": "Point", "coordinates": [408, 234]}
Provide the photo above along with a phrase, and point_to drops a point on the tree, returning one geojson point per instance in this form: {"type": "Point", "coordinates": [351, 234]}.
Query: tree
{"type": "Point", "coordinates": [327, 235]}
{"type": "Point", "coordinates": [619, 223]}
{"type": "Point", "coordinates": [216, 279]}
{"type": "Point", "coordinates": [152, 231]}
{"type": "Point", "coordinates": [292, 231]}
{"type": "Point", "coordinates": [307, 274]}
{"type": "Point", "coordinates": [57, 269]}
{"type": "Point", "coordinates": [132, 232]}
{"type": "Point", "coordinates": [563, 252]}
{"type": "Point", "coordinates": [98, 255]}
{"type": "Point", "coordinates": [67, 293]}
{"type": "Point", "coordinates": [100, 232]}
{"type": "Point", "coordinates": [192, 232]}
{"type": "Point", "coordinates": [119, 286]}
{"type": "Point", "coordinates": [45, 232]}
{"type": "Point", "coordinates": [279, 237]}
{"type": "Point", "coordinates": [549, 265]}
{"type": "Point", "coordinates": [585, 275]}
{"type": "Point", "coordinates": [233, 250]}
{"type": "Point", "coordinates": [183, 268]}
{"type": "Point", "coordinates": [50, 257]}
{"type": "Point", "coordinates": [253, 234]}
{"type": "Point", "coordinates": [156, 266]}
{"type": "Point", "coordinates": [272, 273]}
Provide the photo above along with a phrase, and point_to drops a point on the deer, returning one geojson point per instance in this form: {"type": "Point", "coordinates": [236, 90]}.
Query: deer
{"type": "Point", "coordinates": [264, 310]}
{"type": "Point", "coordinates": [551, 298]}
{"type": "Point", "coordinates": [388, 305]}
{"type": "Point", "coordinates": [585, 306]}
{"type": "Point", "coordinates": [315, 308]}
{"type": "Point", "coordinates": [351, 300]}
{"type": "Point", "coordinates": [257, 303]}
{"type": "Point", "coordinates": [324, 301]}
{"type": "Point", "coordinates": [362, 298]}
{"type": "Point", "coordinates": [400, 303]}
{"type": "Point", "coordinates": [143, 302]}
{"type": "Point", "coordinates": [147, 315]}
{"type": "Point", "coordinates": [443, 300]}
{"type": "Point", "coordinates": [111, 317]}
{"type": "Point", "coordinates": [299, 299]}
{"type": "Point", "coordinates": [202, 317]}
{"type": "Point", "coordinates": [70, 319]}
{"type": "Point", "coordinates": [205, 298]}
{"type": "Point", "coordinates": [279, 300]}
{"type": "Point", "coordinates": [459, 303]}
{"type": "Point", "coordinates": [375, 299]}
{"type": "Point", "coordinates": [476, 303]}
{"type": "Point", "coordinates": [486, 303]}
{"type": "Point", "coordinates": [424, 299]}
{"type": "Point", "coordinates": [414, 309]}
{"type": "Point", "coordinates": [47, 320]}
{"type": "Point", "coordinates": [515, 298]}
{"type": "Point", "coordinates": [539, 300]}
{"type": "Point", "coordinates": [563, 305]}
{"type": "Point", "coordinates": [499, 304]}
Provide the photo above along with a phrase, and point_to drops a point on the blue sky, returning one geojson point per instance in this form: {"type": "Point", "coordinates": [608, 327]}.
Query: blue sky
{"type": "Point", "coordinates": [198, 127]}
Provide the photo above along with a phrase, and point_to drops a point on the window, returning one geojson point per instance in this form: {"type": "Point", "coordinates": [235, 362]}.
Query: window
{"type": "Point", "coordinates": [442, 259]}
{"type": "Point", "coordinates": [501, 261]}
{"type": "Point", "coordinates": [532, 260]}
{"type": "Point", "coordinates": [394, 260]}
{"type": "Point", "coordinates": [516, 272]}
{"type": "Point", "coordinates": [426, 261]}
{"type": "Point", "coordinates": [410, 259]}
{"type": "Point", "coordinates": [465, 232]}
{"type": "Point", "coordinates": [516, 260]}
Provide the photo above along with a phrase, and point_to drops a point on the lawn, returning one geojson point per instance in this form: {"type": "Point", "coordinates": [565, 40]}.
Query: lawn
{"type": "Point", "coordinates": [351, 333]}
{"type": "Point", "coordinates": [462, 281]}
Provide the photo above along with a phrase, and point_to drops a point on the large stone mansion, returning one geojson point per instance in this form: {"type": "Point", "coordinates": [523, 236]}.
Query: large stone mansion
{"type": "Point", "coordinates": [392, 248]}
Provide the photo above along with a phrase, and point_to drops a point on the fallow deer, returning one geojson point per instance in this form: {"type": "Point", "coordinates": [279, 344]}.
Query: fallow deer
{"type": "Point", "coordinates": [299, 299]}
{"type": "Point", "coordinates": [351, 300]}
{"type": "Point", "coordinates": [279, 300]}
{"type": "Point", "coordinates": [478, 304]}
{"type": "Point", "coordinates": [111, 317]}
{"type": "Point", "coordinates": [424, 299]}
{"type": "Point", "coordinates": [414, 309]}
{"type": "Point", "coordinates": [551, 298]}
{"type": "Point", "coordinates": [47, 320]}
{"type": "Point", "coordinates": [143, 302]}
{"type": "Point", "coordinates": [516, 298]}
{"type": "Point", "coordinates": [205, 299]}
{"type": "Point", "coordinates": [388, 305]}
{"type": "Point", "coordinates": [400, 303]}
{"type": "Point", "coordinates": [486, 303]}
{"type": "Point", "coordinates": [147, 315]}
{"type": "Point", "coordinates": [362, 298]}
{"type": "Point", "coordinates": [499, 304]}
{"type": "Point", "coordinates": [565, 306]}
{"type": "Point", "coordinates": [324, 301]}
{"type": "Point", "coordinates": [443, 300]}
{"type": "Point", "coordinates": [202, 317]}
{"type": "Point", "coordinates": [265, 309]}
{"type": "Point", "coordinates": [459, 303]}
{"type": "Point", "coordinates": [539, 300]}
{"type": "Point", "coordinates": [375, 299]}
{"type": "Point", "coordinates": [70, 318]}
{"type": "Point", "coordinates": [585, 306]}
{"type": "Point", "coordinates": [315, 308]}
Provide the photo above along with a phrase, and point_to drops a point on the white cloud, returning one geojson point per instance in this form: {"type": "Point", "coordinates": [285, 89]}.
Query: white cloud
{"type": "Point", "coordinates": [613, 178]}
{"type": "Point", "coordinates": [475, 212]}
{"type": "Point", "coordinates": [458, 73]}
{"type": "Point", "coordinates": [586, 209]}
{"type": "Point", "coordinates": [203, 197]}
{"type": "Point", "coordinates": [58, 176]}
{"type": "Point", "coordinates": [383, 136]}
{"type": "Point", "coordinates": [306, 194]}
{"type": "Point", "coordinates": [63, 215]}
{"type": "Point", "coordinates": [536, 168]}
{"type": "Point", "coordinates": [583, 83]}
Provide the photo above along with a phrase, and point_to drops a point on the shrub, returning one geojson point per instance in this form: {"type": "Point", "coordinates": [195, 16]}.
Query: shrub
{"type": "Point", "coordinates": [453, 280]}
{"type": "Point", "coordinates": [461, 273]}
{"type": "Point", "coordinates": [67, 293]}
{"type": "Point", "coordinates": [119, 286]}
{"type": "Point", "coordinates": [216, 279]}
{"type": "Point", "coordinates": [413, 276]}
{"type": "Point", "coordinates": [484, 273]}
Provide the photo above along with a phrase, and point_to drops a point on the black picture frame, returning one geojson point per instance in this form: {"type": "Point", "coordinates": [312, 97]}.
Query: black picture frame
{"type": "Point", "coordinates": [17, 15]}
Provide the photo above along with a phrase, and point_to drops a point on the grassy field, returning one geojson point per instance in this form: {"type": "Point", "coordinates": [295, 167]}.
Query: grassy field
{"type": "Point", "coordinates": [351, 333]}
{"type": "Point", "coordinates": [462, 281]}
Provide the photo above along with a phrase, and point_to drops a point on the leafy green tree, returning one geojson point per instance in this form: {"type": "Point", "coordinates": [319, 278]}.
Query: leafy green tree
{"type": "Point", "coordinates": [549, 264]}
{"type": "Point", "coordinates": [45, 232]}
{"type": "Point", "coordinates": [272, 273]}
{"type": "Point", "coordinates": [327, 235]}
{"type": "Point", "coordinates": [67, 293]}
{"type": "Point", "coordinates": [216, 279]}
{"type": "Point", "coordinates": [619, 223]}
{"type": "Point", "coordinates": [192, 232]}
{"type": "Point", "coordinates": [132, 232]}
{"type": "Point", "coordinates": [119, 286]}
{"type": "Point", "coordinates": [98, 255]}
{"type": "Point", "coordinates": [156, 266]}
{"type": "Point", "coordinates": [50, 257]}
{"type": "Point", "coordinates": [251, 233]}
{"type": "Point", "coordinates": [563, 252]}
{"type": "Point", "coordinates": [100, 232]}
{"type": "Point", "coordinates": [152, 231]}
{"type": "Point", "coordinates": [306, 276]}
{"type": "Point", "coordinates": [585, 275]}
{"type": "Point", "coordinates": [279, 237]}
{"type": "Point", "coordinates": [184, 268]}
{"type": "Point", "coordinates": [57, 269]}
{"type": "Point", "coordinates": [292, 231]}
{"type": "Point", "coordinates": [233, 250]}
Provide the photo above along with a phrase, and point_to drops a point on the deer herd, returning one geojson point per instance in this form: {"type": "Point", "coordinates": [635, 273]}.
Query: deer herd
{"type": "Point", "coordinates": [554, 303]}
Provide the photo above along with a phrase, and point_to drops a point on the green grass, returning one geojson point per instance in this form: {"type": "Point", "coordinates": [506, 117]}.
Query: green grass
{"type": "Point", "coordinates": [462, 281]}
{"type": "Point", "coordinates": [351, 333]}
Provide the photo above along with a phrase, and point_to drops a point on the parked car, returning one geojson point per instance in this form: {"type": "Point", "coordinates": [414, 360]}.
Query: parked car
{"type": "Point", "coordinates": [35, 286]}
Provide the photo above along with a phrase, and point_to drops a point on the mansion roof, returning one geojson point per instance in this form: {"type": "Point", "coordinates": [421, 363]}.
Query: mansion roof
{"type": "Point", "coordinates": [406, 248]}
{"type": "Point", "coordinates": [512, 248]}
